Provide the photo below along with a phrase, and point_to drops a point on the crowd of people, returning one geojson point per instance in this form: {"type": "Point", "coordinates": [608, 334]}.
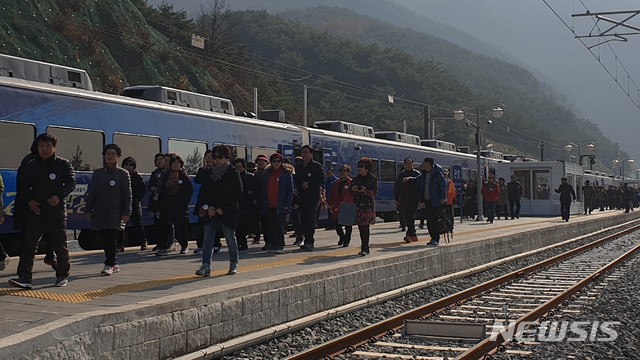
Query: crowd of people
{"type": "Point", "coordinates": [240, 200]}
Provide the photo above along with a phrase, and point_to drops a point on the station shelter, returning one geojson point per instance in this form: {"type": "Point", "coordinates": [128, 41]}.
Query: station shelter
{"type": "Point", "coordinates": [539, 180]}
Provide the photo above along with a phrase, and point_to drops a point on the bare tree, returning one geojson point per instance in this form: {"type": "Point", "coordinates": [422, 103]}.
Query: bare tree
{"type": "Point", "coordinates": [213, 21]}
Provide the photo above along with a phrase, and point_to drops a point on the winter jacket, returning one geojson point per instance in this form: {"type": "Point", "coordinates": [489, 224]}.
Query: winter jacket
{"type": "Point", "coordinates": [173, 201]}
{"type": "Point", "coordinates": [225, 194]}
{"type": "Point", "coordinates": [138, 189]}
{"type": "Point", "coordinates": [42, 179]}
{"type": "Point", "coordinates": [437, 186]}
{"type": "Point", "coordinates": [504, 195]}
{"type": "Point", "coordinates": [250, 192]}
{"type": "Point", "coordinates": [451, 192]}
{"type": "Point", "coordinates": [311, 173]}
{"type": "Point", "coordinates": [340, 193]}
{"type": "Point", "coordinates": [406, 191]}
{"type": "Point", "coordinates": [566, 192]}
{"type": "Point", "coordinates": [490, 192]}
{"type": "Point", "coordinates": [285, 191]}
{"type": "Point", "coordinates": [515, 190]}
{"type": "Point", "coordinates": [109, 198]}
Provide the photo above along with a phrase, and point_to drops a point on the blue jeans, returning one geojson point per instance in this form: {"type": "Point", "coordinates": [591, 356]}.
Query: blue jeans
{"type": "Point", "coordinates": [210, 231]}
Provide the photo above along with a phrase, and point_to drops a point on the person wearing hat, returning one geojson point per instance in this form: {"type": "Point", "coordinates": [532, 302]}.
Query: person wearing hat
{"type": "Point", "coordinates": [261, 172]}
{"type": "Point", "coordinates": [277, 195]}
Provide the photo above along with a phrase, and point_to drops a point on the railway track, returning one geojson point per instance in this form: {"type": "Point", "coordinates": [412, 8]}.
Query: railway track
{"type": "Point", "coordinates": [456, 326]}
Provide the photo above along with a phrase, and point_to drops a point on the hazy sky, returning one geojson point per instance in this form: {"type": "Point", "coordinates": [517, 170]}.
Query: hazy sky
{"type": "Point", "coordinates": [530, 31]}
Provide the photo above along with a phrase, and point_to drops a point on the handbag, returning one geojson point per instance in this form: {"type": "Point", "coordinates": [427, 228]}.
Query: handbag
{"type": "Point", "coordinates": [347, 214]}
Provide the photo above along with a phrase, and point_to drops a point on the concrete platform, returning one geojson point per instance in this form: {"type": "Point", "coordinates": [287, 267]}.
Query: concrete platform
{"type": "Point", "coordinates": [156, 308]}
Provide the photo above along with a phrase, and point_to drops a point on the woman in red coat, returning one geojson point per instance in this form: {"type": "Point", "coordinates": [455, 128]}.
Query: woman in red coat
{"type": "Point", "coordinates": [341, 194]}
{"type": "Point", "coordinates": [490, 196]}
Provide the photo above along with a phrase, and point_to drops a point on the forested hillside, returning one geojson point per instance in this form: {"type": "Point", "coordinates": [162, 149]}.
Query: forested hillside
{"type": "Point", "coordinates": [349, 77]}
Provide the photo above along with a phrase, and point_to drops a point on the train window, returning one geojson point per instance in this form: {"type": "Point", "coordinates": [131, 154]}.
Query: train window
{"type": "Point", "coordinates": [255, 151]}
{"type": "Point", "coordinates": [524, 178]}
{"type": "Point", "coordinates": [388, 171]}
{"type": "Point", "coordinates": [191, 152]}
{"type": "Point", "coordinates": [237, 152]}
{"type": "Point", "coordinates": [83, 148]}
{"type": "Point", "coordinates": [541, 185]}
{"type": "Point", "coordinates": [140, 147]}
{"type": "Point", "coordinates": [374, 170]}
{"type": "Point", "coordinates": [172, 95]}
{"type": "Point", "coordinates": [17, 137]}
{"type": "Point", "coordinates": [74, 76]}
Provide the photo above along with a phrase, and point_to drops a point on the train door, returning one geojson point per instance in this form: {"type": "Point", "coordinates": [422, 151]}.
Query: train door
{"type": "Point", "coordinates": [287, 151]}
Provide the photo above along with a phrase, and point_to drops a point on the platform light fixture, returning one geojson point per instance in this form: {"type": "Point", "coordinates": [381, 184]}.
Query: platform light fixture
{"type": "Point", "coordinates": [497, 111]}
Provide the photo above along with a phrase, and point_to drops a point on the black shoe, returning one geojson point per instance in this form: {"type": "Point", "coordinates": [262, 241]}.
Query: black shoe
{"type": "Point", "coordinates": [404, 229]}
{"type": "Point", "coordinates": [155, 248]}
{"type": "Point", "coordinates": [306, 247]}
{"type": "Point", "coordinates": [421, 226]}
{"type": "Point", "coordinates": [266, 248]}
{"type": "Point", "coordinates": [433, 243]}
{"type": "Point", "coordinates": [297, 243]}
{"type": "Point", "coordinates": [61, 281]}
{"type": "Point", "coordinates": [345, 244]}
{"type": "Point", "coordinates": [341, 241]}
{"type": "Point", "coordinates": [243, 247]}
{"type": "Point", "coordinates": [21, 283]}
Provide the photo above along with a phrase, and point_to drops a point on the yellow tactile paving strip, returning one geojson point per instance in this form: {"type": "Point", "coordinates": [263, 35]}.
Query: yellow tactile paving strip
{"type": "Point", "coordinates": [150, 284]}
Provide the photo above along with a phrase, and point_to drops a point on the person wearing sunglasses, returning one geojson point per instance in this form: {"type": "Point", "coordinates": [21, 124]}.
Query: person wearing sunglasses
{"type": "Point", "coordinates": [365, 188]}
{"type": "Point", "coordinates": [277, 195]}
{"type": "Point", "coordinates": [220, 212]}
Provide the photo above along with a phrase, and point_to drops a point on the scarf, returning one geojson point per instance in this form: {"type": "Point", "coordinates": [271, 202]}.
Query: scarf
{"type": "Point", "coordinates": [217, 172]}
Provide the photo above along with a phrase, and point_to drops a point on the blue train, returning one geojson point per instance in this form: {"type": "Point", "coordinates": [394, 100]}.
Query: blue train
{"type": "Point", "coordinates": [84, 121]}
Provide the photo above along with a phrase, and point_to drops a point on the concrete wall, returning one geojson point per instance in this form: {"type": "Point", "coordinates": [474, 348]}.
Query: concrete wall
{"type": "Point", "coordinates": [181, 324]}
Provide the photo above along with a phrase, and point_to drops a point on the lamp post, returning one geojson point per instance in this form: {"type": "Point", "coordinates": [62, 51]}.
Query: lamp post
{"type": "Point", "coordinates": [496, 112]}
{"type": "Point", "coordinates": [569, 148]}
{"type": "Point", "coordinates": [591, 154]}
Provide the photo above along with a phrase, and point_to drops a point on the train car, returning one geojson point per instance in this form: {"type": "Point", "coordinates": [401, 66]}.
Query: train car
{"type": "Point", "coordinates": [85, 121]}
{"type": "Point", "coordinates": [341, 148]}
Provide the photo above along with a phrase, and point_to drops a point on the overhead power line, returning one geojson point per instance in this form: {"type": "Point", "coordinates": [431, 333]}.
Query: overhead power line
{"type": "Point", "coordinates": [631, 90]}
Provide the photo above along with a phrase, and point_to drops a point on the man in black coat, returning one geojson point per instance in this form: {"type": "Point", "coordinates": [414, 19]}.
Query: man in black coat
{"type": "Point", "coordinates": [406, 195]}
{"type": "Point", "coordinates": [249, 206]}
{"type": "Point", "coordinates": [308, 179]}
{"type": "Point", "coordinates": [589, 197]}
{"type": "Point", "coordinates": [515, 193]}
{"type": "Point", "coordinates": [45, 185]}
{"type": "Point", "coordinates": [566, 193]}
{"type": "Point", "coordinates": [138, 189]}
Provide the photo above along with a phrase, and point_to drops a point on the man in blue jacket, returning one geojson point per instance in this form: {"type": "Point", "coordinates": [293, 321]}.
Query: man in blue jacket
{"type": "Point", "coordinates": [432, 194]}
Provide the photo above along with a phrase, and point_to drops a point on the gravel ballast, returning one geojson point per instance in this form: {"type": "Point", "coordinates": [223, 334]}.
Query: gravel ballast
{"type": "Point", "coordinates": [317, 334]}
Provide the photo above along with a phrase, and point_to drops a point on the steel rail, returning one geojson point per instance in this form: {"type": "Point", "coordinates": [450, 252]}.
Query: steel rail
{"type": "Point", "coordinates": [488, 345]}
{"type": "Point", "coordinates": [349, 341]}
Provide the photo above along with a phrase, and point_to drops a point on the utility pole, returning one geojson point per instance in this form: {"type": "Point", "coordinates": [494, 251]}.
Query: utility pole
{"type": "Point", "coordinates": [541, 150]}
{"type": "Point", "coordinates": [426, 117]}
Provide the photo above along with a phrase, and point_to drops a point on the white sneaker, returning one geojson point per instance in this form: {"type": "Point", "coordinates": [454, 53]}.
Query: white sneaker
{"type": "Point", "coordinates": [116, 269]}
{"type": "Point", "coordinates": [108, 270]}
